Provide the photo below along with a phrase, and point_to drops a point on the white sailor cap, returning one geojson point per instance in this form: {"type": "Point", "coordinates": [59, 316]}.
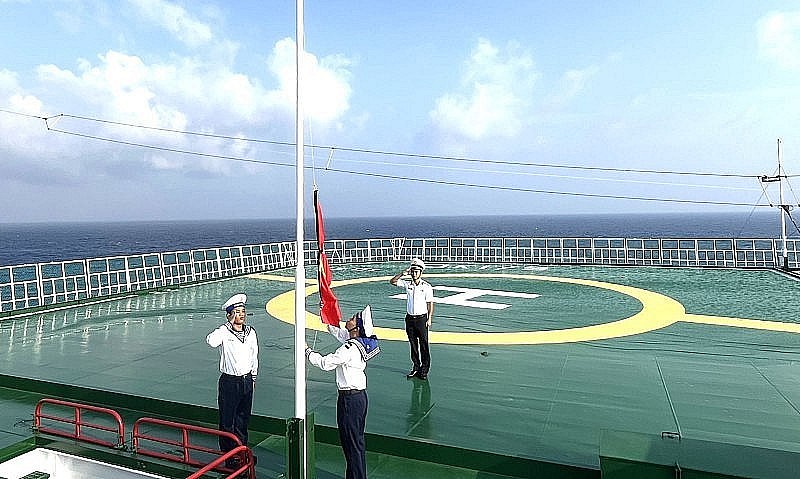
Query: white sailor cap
{"type": "Point", "coordinates": [234, 301]}
{"type": "Point", "coordinates": [364, 322]}
{"type": "Point", "coordinates": [417, 263]}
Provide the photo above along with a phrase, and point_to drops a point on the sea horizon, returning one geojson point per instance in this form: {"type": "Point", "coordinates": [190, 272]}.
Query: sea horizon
{"type": "Point", "coordinates": [37, 242]}
{"type": "Point", "coordinates": [329, 217]}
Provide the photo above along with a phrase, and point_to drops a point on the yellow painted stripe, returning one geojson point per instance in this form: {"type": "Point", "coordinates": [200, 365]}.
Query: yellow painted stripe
{"type": "Point", "coordinates": [743, 323]}
{"type": "Point", "coordinates": [275, 277]}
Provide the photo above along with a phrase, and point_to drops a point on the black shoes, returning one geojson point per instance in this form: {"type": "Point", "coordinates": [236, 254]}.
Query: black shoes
{"type": "Point", "coordinates": [412, 373]}
{"type": "Point", "coordinates": [422, 376]}
{"type": "Point", "coordinates": [417, 374]}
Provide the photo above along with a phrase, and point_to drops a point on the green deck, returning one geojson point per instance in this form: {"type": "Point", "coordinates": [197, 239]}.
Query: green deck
{"type": "Point", "coordinates": [545, 401]}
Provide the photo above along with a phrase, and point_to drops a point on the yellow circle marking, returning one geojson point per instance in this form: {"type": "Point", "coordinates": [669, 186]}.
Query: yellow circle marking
{"type": "Point", "coordinates": [657, 312]}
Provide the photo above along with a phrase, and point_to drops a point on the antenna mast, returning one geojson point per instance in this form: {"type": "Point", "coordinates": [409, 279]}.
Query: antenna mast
{"type": "Point", "coordinates": [784, 209]}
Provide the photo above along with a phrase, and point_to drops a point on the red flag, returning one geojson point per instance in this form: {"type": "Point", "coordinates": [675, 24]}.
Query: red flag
{"type": "Point", "coordinates": [329, 305]}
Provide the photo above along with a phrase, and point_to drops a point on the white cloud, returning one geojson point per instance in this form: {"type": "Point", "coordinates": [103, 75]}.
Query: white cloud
{"type": "Point", "coordinates": [572, 84]}
{"type": "Point", "coordinates": [188, 93]}
{"type": "Point", "coordinates": [189, 89]}
{"type": "Point", "coordinates": [203, 91]}
{"type": "Point", "coordinates": [493, 96]}
{"type": "Point", "coordinates": [326, 83]}
{"type": "Point", "coordinates": [161, 162]}
{"type": "Point", "coordinates": [120, 87]}
{"type": "Point", "coordinates": [23, 135]}
{"type": "Point", "coordinates": [176, 20]}
{"type": "Point", "coordinates": [8, 81]}
{"type": "Point", "coordinates": [779, 38]}
{"type": "Point", "coordinates": [204, 165]}
{"type": "Point", "coordinates": [28, 104]}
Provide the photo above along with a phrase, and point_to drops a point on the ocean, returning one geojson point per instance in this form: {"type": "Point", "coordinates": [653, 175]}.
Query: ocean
{"type": "Point", "coordinates": [24, 243]}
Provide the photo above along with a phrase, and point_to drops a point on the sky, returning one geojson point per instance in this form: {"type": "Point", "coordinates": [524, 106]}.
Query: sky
{"type": "Point", "coordinates": [184, 110]}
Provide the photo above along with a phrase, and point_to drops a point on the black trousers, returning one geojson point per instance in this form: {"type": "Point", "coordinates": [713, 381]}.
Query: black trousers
{"type": "Point", "coordinates": [417, 332]}
{"type": "Point", "coordinates": [235, 399]}
{"type": "Point", "coordinates": [351, 417]}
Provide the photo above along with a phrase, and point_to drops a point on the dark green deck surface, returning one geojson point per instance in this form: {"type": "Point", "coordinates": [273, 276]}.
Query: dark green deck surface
{"type": "Point", "coordinates": [548, 402]}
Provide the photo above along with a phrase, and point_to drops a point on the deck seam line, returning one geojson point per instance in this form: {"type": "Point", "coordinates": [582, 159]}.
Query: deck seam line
{"type": "Point", "coordinates": [416, 423]}
{"type": "Point", "coordinates": [775, 388]}
{"type": "Point", "coordinates": [669, 399]}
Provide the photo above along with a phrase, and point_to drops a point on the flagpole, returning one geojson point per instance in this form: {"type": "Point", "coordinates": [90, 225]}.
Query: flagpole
{"type": "Point", "coordinates": [300, 274]}
{"type": "Point", "coordinates": [319, 248]}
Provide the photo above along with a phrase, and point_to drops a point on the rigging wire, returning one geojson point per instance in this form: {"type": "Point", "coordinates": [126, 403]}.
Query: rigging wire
{"type": "Point", "coordinates": [547, 175]}
{"type": "Point", "coordinates": [316, 218]}
{"type": "Point", "coordinates": [373, 151]}
{"type": "Point", "coordinates": [531, 190]}
{"type": "Point", "coordinates": [48, 120]}
{"type": "Point", "coordinates": [796, 227]}
{"type": "Point", "coordinates": [777, 177]}
{"type": "Point", "coordinates": [167, 149]}
{"type": "Point", "coordinates": [313, 158]}
{"type": "Point", "coordinates": [792, 190]}
{"type": "Point", "coordinates": [396, 177]}
{"type": "Point", "coordinates": [750, 215]}
{"type": "Point", "coordinates": [19, 113]}
{"type": "Point", "coordinates": [401, 154]}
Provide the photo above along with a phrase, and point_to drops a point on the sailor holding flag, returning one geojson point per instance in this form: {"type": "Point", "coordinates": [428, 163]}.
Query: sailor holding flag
{"type": "Point", "coordinates": [359, 345]}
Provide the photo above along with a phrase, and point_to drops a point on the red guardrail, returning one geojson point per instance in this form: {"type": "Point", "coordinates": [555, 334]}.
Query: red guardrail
{"type": "Point", "coordinates": [184, 444]}
{"type": "Point", "coordinates": [247, 463]}
{"type": "Point", "coordinates": [78, 422]}
{"type": "Point", "coordinates": [247, 466]}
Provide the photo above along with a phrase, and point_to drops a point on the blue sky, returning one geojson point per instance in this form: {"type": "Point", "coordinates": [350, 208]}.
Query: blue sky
{"type": "Point", "coordinates": [680, 86]}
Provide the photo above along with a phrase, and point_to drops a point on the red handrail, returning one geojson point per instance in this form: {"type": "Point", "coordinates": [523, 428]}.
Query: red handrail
{"type": "Point", "coordinates": [184, 444]}
{"type": "Point", "coordinates": [78, 422]}
{"type": "Point", "coordinates": [248, 465]}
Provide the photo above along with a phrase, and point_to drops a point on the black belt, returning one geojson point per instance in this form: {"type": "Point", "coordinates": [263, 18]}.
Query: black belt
{"type": "Point", "coordinates": [417, 316]}
{"type": "Point", "coordinates": [231, 376]}
{"type": "Point", "coordinates": [348, 392]}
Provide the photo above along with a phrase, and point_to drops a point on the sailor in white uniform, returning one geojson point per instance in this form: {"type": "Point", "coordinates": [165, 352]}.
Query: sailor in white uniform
{"type": "Point", "coordinates": [359, 345]}
{"type": "Point", "coordinates": [419, 316]}
{"type": "Point", "coordinates": [238, 367]}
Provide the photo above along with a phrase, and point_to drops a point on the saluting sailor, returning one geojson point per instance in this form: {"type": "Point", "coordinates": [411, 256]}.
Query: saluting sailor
{"type": "Point", "coordinates": [238, 367]}
{"type": "Point", "coordinates": [359, 345]}
{"type": "Point", "coordinates": [419, 316]}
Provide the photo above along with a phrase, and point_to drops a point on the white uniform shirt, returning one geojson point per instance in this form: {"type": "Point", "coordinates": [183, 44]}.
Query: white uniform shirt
{"type": "Point", "coordinates": [236, 357]}
{"type": "Point", "coordinates": [417, 296]}
{"type": "Point", "coordinates": [346, 360]}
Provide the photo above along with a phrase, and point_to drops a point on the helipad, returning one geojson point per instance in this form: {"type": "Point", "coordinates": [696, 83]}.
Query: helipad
{"type": "Point", "coordinates": [530, 362]}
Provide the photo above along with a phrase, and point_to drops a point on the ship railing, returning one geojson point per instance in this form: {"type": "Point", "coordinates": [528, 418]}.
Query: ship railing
{"type": "Point", "coordinates": [28, 288]}
{"type": "Point", "coordinates": [247, 466]}
{"type": "Point", "coordinates": [78, 422]}
{"type": "Point", "coordinates": [74, 414]}
{"type": "Point", "coordinates": [184, 445]}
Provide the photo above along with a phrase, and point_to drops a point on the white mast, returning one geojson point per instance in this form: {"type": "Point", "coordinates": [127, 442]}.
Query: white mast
{"type": "Point", "coordinates": [300, 272]}
{"type": "Point", "coordinates": [782, 206]}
